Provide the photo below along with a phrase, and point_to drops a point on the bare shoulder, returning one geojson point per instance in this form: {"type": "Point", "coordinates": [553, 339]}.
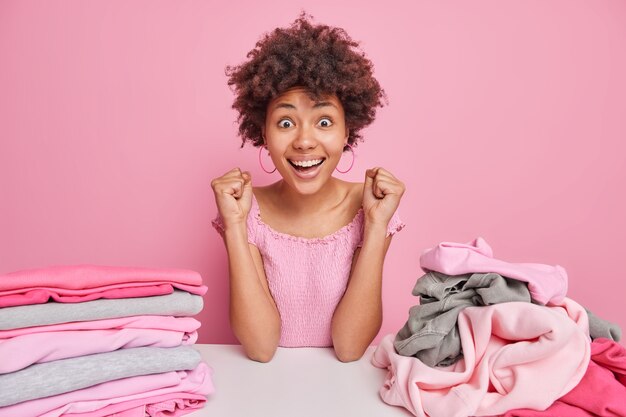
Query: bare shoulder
{"type": "Point", "coordinates": [264, 193]}
{"type": "Point", "coordinates": [355, 190]}
{"type": "Point", "coordinates": [354, 194]}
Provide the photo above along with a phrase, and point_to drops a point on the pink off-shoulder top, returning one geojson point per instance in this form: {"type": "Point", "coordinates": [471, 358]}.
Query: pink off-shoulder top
{"type": "Point", "coordinates": [307, 277]}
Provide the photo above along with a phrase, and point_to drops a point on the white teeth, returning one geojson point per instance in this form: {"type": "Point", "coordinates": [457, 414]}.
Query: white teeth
{"type": "Point", "coordinates": [306, 164]}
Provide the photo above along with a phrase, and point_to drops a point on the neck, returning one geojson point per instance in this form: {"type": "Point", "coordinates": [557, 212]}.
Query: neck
{"type": "Point", "coordinates": [326, 198]}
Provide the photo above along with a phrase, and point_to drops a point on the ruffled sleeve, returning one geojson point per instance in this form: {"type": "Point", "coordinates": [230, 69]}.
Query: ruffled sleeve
{"type": "Point", "coordinates": [252, 223]}
{"type": "Point", "coordinates": [218, 224]}
{"type": "Point", "coordinates": [394, 226]}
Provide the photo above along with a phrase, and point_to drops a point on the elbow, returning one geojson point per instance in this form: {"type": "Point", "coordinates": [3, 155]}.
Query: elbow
{"type": "Point", "coordinates": [258, 345]}
{"type": "Point", "coordinates": [348, 353]}
{"type": "Point", "coordinates": [260, 350]}
{"type": "Point", "coordinates": [349, 347]}
{"type": "Point", "coordinates": [260, 354]}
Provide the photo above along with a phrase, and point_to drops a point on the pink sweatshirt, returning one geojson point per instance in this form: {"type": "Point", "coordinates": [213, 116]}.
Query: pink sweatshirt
{"type": "Point", "coordinates": [546, 283]}
{"type": "Point", "coordinates": [516, 355]}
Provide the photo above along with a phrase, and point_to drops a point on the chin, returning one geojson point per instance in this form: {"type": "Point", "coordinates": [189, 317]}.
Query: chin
{"type": "Point", "coordinates": [304, 185]}
{"type": "Point", "coordinates": [308, 187]}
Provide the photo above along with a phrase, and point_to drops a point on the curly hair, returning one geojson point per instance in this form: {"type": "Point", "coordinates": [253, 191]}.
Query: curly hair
{"type": "Point", "coordinates": [322, 59]}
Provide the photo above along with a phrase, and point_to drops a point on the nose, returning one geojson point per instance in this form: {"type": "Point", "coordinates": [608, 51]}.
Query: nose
{"type": "Point", "coordinates": [305, 139]}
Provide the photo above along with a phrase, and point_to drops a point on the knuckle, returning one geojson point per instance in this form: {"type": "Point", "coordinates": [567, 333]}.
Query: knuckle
{"type": "Point", "coordinates": [217, 184]}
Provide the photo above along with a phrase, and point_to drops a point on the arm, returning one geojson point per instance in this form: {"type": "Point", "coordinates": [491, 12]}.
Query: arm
{"type": "Point", "coordinates": [253, 314]}
{"type": "Point", "coordinates": [358, 316]}
{"type": "Point", "coordinates": [254, 317]}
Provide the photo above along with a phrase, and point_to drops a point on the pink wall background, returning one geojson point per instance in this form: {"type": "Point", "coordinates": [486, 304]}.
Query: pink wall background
{"type": "Point", "coordinates": [506, 120]}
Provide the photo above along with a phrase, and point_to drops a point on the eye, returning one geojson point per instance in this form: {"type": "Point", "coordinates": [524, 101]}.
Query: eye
{"type": "Point", "coordinates": [285, 123]}
{"type": "Point", "coordinates": [325, 122]}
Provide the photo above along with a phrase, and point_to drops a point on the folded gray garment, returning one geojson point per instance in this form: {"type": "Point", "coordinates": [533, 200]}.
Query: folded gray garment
{"type": "Point", "coordinates": [601, 328]}
{"type": "Point", "coordinates": [431, 333]}
{"type": "Point", "coordinates": [179, 303]}
{"type": "Point", "coordinates": [65, 375]}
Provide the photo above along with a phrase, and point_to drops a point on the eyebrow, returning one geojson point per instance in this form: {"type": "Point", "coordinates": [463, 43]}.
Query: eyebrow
{"type": "Point", "coordinates": [323, 104]}
{"type": "Point", "coordinates": [315, 106]}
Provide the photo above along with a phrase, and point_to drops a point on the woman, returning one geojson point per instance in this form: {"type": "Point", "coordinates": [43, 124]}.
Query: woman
{"type": "Point", "coordinates": [306, 252]}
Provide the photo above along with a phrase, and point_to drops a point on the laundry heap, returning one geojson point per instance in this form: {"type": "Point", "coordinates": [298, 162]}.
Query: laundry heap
{"type": "Point", "coordinates": [493, 338]}
{"type": "Point", "coordinates": [91, 341]}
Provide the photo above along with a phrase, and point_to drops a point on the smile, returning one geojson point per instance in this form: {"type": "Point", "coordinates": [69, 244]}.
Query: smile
{"type": "Point", "coordinates": [307, 169]}
{"type": "Point", "coordinates": [303, 165]}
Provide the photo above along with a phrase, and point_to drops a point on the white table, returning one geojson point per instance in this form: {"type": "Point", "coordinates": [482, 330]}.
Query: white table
{"type": "Point", "coordinates": [298, 382]}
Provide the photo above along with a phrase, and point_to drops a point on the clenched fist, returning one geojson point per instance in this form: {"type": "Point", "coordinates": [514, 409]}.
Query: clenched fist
{"type": "Point", "coordinates": [381, 195]}
{"type": "Point", "coordinates": [233, 196]}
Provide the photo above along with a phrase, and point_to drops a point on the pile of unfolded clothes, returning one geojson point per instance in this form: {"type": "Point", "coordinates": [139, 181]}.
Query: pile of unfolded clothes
{"type": "Point", "coordinates": [91, 341]}
{"type": "Point", "coordinates": [491, 338]}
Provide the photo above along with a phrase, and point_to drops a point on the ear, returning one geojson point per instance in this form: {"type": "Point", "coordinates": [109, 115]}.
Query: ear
{"type": "Point", "coordinates": [263, 133]}
{"type": "Point", "coordinates": [347, 134]}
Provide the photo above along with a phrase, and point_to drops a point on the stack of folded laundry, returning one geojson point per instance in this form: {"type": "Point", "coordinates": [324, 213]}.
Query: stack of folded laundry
{"type": "Point", "coordinates": [95, 341]}
{"type": "Point", "coordinates": [491, 338]}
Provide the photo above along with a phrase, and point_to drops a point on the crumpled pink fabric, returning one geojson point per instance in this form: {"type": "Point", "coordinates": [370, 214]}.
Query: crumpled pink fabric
{"type": "Point", "coordinates": [133, 390]}
{"type": "Point", "coordinates": [34, 348]}
{"type": "Point", "coordinates": [612, 356]}
{"type": "Point", "coordinates": [546, 283]}
{"type": "Point", "coordinates": [601, 392]}
{"type": "Point", "coordinates": [516, 355]}
{"type": "Point", "coordinates": [558, 409]}
{"type": "Point", "coordinates": [79, 283]}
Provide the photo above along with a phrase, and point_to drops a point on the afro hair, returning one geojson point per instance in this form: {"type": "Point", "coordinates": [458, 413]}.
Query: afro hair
{"type": "Point", "coordinates": [322, 59]}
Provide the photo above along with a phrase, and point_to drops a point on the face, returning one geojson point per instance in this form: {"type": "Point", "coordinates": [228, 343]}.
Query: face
{"type": "Point", "coordinates": [305, 138]}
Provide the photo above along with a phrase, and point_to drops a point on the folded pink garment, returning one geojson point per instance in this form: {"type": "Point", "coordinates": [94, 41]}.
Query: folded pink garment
{"type": "Point", "coordinates": [601, 392]}
{"type": "Point", "coordinates": [77, 283]}
{"type": "Point", "coordinates": [92, 399]}
{"type": "Point", "coordinates": [33, 348]}
{"type": "Point", "coordinates": [168, 405]}
{"type": "Point", "coordinates": [183, 324]}
{"type": "Point", "coordinates": [516, 355]}
{"type": "Point", "coordinates": [43, 295]}
{"type": "Point", "coordinates": [546, 283]}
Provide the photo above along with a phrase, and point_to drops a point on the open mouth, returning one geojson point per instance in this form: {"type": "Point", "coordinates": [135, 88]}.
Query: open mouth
{"type": "Point", "coordinates": [304, 166]}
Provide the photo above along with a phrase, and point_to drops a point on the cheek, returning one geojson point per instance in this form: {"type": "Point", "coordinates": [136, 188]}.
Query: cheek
{"type": "Point", "coordinates": [335, 142]}
{"type": "Point", "coordinates": [274, 149]}
{"type": "Point", "coordinates": [276, 141]}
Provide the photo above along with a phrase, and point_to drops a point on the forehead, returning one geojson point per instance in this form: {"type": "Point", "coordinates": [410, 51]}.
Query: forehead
{"type": "Point", "coordinates": [299, 98]}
